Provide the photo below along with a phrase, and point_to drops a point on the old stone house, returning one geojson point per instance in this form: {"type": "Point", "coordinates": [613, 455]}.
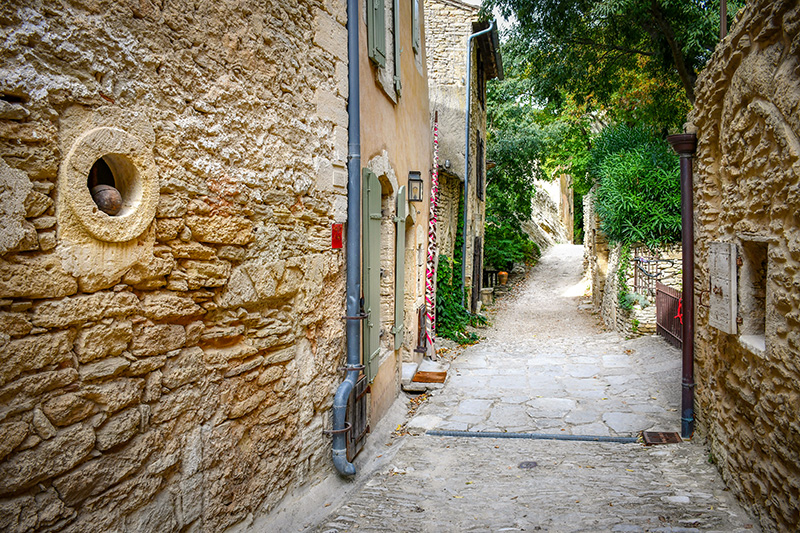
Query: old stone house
{"type": "Point", "coordinates": [747, 253]}
{"type": "Point", "coordinates": [169, 354]}
{"type": "Point", "coordinates": [456, 42]}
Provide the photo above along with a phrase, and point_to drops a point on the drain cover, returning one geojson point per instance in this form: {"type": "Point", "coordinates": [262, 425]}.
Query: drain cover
{"type": "Point", "coordinates": [528, 464]}
{"type": "Point", "coordinates": [660, 437]}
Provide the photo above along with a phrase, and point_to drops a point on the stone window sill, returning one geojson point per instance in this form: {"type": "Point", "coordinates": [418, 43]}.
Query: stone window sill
{"type": "Point", "coordinates": [755, 343]}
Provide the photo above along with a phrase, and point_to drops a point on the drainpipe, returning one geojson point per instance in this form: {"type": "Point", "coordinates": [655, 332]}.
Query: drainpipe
{"type": "Point", "coordinates": [466, 161]}
{"type": "Point", "coordinates": [352, 250]}
{"type": "Point", "coordinates": [685, 145]}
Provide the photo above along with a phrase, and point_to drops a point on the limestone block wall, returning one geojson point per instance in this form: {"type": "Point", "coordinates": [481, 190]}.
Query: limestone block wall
{"type": "Point", "coordinates": [450, 191]}
{"type": "Point", "coordinates": [596, 251]}
{"type": "Point", "coordinates": [448, 25]}
{"type": "Point", "coordinates": [602, 261]}
{"type": "Point", "coordinates": [170, 367]}
{"type": "Point", "coordinates": [747, 193]}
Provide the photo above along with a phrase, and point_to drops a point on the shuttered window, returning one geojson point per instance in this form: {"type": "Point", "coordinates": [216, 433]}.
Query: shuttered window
{"type": "Point", "coordinates": [371, 233]}
{"type": "Point", "coordinates": [415, 33]}
{"type": "Point", "coordinates": [376, 31]}
{"type": "Point", "coordinates": [400, 267]}
{"type": "Point", "coordinates": [479, 170]}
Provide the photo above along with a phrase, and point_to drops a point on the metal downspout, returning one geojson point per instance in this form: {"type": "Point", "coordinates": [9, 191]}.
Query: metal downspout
{"type": "Point", "coordinates": [466, 161]}
{"type": "Point", "coordinates": [685, 145]}
{"type": "Point", "coordinates": [352, 249]}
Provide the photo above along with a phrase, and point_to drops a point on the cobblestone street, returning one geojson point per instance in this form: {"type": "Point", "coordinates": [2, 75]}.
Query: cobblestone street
{"type": "Point", "coordinates": [545, 368]}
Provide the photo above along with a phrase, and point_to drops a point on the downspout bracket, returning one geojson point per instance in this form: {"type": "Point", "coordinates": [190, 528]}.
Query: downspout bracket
{"type": "Point", "coordinates": [347, 427]}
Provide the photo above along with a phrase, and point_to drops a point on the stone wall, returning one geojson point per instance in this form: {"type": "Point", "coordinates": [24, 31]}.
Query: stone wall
{"type": "Point", "coordinates": [172, 367]}
{"type": "Point", "coordinates": [747, 194]}
{"type": "Point", "coordinates": [602, 262]}
{"type": "Point", "coordinates": [449, 24]}
{"type": "Point", "coordinates": [546, 226]}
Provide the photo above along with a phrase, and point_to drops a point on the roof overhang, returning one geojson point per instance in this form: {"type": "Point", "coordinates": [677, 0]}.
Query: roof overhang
{"type": "Point", "coordinates": [489, 48]}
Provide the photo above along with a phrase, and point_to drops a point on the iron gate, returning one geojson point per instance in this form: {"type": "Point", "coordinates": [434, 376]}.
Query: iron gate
{"type": "Point", "coordinates": [669, 314]}
{"type": "Point", "coordinates": [357, 417]}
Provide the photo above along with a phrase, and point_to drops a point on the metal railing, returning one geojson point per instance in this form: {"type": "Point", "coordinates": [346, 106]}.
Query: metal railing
{"type": "Point", "coordinates": [669, 314]}
{"type": "Point", "coordinates": [647, 272]}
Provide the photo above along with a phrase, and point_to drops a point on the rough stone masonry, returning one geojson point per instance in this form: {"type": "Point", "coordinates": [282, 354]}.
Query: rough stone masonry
{"type": "Point", "coordinates": [747, 195]}
{"type": "Point", "coordinates": [170, 367]}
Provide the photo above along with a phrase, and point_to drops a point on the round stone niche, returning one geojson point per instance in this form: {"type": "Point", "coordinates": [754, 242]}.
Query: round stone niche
{"type": "Point", "coordinates": [121, 172]}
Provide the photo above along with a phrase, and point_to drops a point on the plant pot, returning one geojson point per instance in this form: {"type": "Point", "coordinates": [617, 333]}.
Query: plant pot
{"type": "Point", "coordinates": [502, 277]}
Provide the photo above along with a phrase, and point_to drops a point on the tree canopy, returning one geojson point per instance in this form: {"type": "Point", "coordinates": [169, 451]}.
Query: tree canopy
{"type": "Point", "coordinates": [637, 59]}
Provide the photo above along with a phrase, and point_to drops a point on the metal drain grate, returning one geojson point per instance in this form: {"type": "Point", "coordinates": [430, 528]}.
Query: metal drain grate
{"type": "Point", "coordinates": [660, 437]}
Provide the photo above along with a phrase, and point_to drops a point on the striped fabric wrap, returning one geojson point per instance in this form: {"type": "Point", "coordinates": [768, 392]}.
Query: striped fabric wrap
{"type": "Point", "coordinates": [430, 271]}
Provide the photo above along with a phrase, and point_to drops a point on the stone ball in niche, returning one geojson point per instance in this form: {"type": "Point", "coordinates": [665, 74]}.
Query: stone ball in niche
{"type": "Point", "coordinates": [107, 198]}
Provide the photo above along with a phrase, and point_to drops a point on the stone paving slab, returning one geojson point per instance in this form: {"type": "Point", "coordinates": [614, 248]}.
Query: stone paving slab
{"type": "Point", "coordinates": [447, 484]}
{"type": "Point", "coordinates": [546, 368]}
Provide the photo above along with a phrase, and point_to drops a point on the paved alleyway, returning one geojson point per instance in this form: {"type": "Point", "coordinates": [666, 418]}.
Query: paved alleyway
{"type": "Point", "coordinates": [545, 367]}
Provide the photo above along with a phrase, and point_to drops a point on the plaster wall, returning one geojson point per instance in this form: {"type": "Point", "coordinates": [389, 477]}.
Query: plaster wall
{"type": "Point", "coordinates": [746, 192]}
{"type": "Point", "coordinates": [396, 138]}
{"type": "Point", "coordinates": [179, 378]}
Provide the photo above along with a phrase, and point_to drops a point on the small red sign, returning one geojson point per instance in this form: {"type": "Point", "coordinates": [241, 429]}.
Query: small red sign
{"type": "Point", "coordinates": [336, 236]}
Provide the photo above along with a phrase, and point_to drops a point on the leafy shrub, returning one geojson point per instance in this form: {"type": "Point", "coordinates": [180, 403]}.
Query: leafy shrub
{"type": "Point", "coordinates": [638, 198]}
{"type": "Point", "coordinates": [452, 318]}
{"type": "Point", "coordinates": [506, 244]}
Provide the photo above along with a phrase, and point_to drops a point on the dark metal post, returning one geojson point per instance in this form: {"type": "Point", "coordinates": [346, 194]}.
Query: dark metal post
{"type": "Point", "coordinates": [685, 145]}
{"type": "Point", "coordinates": [723, 19]}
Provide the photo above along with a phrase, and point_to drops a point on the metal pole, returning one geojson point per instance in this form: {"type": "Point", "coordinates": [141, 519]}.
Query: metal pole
{"type": "Point", "coordinates": [353, 249]}
{"type": "Point", "coordinates": [685, 145]}
{"type": "Point", "coordinates": [723, 19]}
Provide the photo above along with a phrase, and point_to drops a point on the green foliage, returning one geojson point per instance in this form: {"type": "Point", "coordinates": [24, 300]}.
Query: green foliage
{"type": "Point", "coordinates": [506, 244]}
{"type": "Point", "coordinates": [451, 317]}
{"type": "Point", "coordinates": [639, 198]}
{"type": "Point", "coordinates": [594, 49]}
{"type": "Point", "coordinates": [516, 146]}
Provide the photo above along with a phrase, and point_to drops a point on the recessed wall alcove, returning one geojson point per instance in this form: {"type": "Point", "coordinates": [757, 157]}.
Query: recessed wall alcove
{"type": "Point", "coordinates": [95, 246]}
{"type": "Point", "coordinates": [110, 156]}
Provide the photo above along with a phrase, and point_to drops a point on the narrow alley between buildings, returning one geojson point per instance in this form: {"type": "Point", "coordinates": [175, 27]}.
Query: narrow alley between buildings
{"type": "Point", "coordinates": [544, 368]}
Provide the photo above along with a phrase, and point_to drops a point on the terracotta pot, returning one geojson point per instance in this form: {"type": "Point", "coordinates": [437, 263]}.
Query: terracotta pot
{"type": "Point", "coordinates": [502, 277]}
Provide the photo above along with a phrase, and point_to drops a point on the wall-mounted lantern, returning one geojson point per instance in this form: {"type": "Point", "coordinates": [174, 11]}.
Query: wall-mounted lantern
{"type": "Point", "coordinates": [416, 187]}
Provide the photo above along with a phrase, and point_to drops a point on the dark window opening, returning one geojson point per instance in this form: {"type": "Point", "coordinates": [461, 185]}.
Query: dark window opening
{"type": "Point", "coordinates": [753, 291]}
{"type": "Point", "coordinates": [479, 164]}
{"type": "Point", "coordinates": [103, 188]}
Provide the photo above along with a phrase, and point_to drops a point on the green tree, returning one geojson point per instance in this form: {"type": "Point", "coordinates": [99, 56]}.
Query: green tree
{"type": "Point", "coordinates": [631, 58]}
{"type": "Point", "coordinates": [638, 197]}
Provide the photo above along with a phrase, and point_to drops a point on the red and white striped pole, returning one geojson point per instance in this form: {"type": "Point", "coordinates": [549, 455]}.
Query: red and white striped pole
{"type": "Point", "coordinates": [430, 273]}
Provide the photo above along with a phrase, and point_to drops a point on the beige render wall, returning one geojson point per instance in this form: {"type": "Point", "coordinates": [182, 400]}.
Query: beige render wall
{"type": "Point", "coordinates": [180, 380]}
{"type": "Point", "coordinates": [396, 139]}
{"type": "Point", "coordinates": [747, 117]}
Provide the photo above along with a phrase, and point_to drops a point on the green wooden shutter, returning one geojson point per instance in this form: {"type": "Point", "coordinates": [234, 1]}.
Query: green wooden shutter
{"type": "Point", "coordinates": [376, 31]}
{"type": "Point", "coordinates": [400, 267]}
{"type": "Point", "coordinates": [398, 85]}
{"type": "Point", "coordinates": [371, 233]}
{"type": "Point", "coordinates": [415, 34]}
